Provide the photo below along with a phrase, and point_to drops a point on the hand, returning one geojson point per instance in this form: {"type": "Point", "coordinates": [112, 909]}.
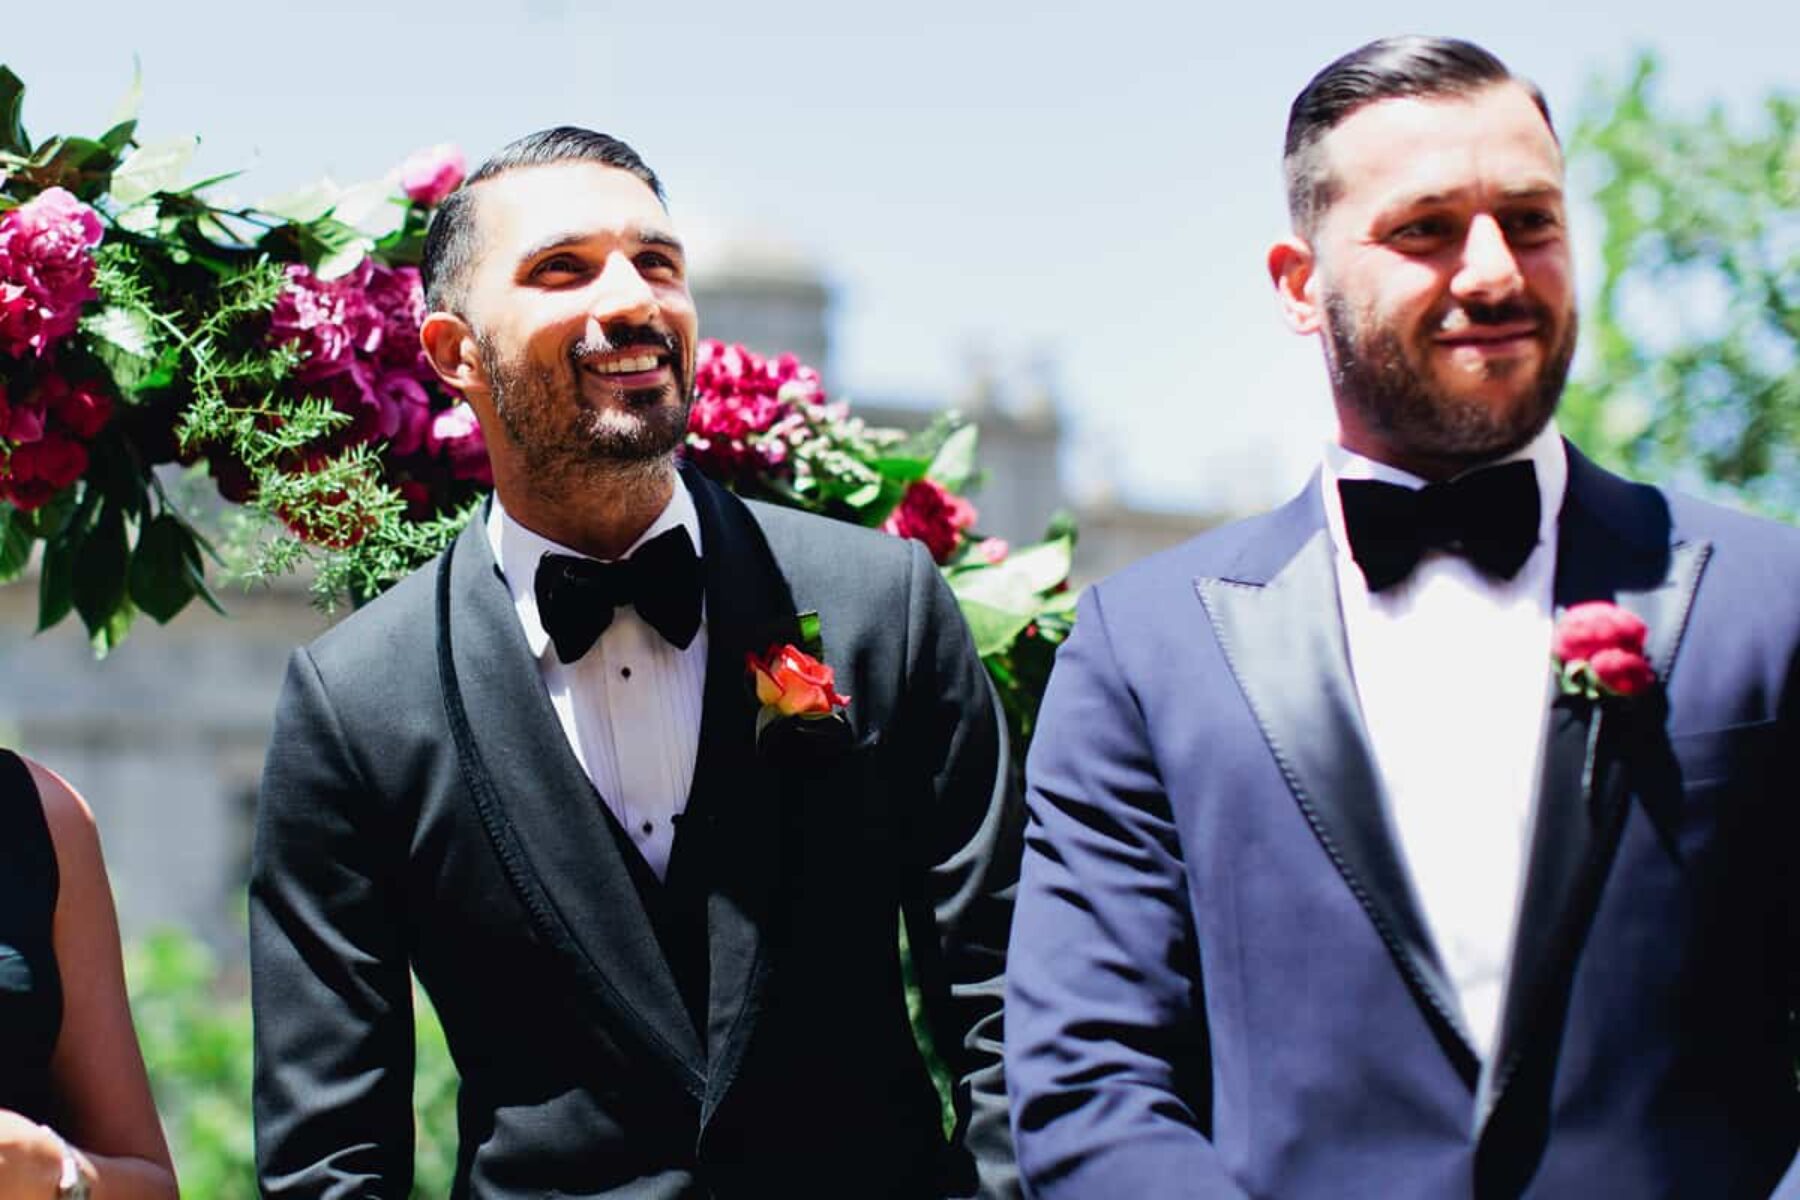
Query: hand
{"type": "Point", "coordinates": [30, 1159]}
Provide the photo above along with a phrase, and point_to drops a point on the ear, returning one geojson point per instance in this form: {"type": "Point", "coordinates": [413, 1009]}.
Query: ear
{"type": "Point", "coordinates": [1293, 269]}
{"type": "Point", "coordinates": [450, 345]}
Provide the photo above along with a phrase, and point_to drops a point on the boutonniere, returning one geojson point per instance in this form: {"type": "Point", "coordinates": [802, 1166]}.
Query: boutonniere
{"type": "Point", "coordinates": [797, 693]}
{"type": "Point", "coordinates": [1599, 652]}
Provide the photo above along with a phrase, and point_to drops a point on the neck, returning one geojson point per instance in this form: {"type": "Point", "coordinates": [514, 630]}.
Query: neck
{"type": "Point", "coordinates": [603, 515]}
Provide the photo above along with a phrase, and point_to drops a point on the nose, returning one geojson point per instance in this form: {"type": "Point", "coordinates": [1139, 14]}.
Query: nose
{"type": "Point", "coordinates": [1489, 271]}
{"type": "Point", "coordinates": [621, 294]}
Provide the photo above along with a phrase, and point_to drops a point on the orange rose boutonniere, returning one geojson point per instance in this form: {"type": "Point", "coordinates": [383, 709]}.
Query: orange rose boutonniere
{"type": "Point", "coordinates": [798, 695]}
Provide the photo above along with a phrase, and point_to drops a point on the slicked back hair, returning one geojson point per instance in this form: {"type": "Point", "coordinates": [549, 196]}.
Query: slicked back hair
{"type": "Point", "coordinates": [450, 241]}
{"type": "Point", "coordinates": [1388, 69]}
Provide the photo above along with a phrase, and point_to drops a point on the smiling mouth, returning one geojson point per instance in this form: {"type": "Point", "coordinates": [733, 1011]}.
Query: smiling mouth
{"type": "Point", "coordinates": [624, 364]}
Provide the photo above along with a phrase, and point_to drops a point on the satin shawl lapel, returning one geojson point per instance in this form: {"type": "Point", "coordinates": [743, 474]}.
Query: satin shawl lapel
{"type": "Point", "coordinates": [729, 847]}
{"type": "Point", "coordinates": [542, 814]}
{"type": "Point", "coordinates": [1614, 544]}
{"type": "Point", "coordinates": [1277, 618]}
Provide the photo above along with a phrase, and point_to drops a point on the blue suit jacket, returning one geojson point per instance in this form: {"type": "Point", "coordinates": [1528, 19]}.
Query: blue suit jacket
{"type": "Point", "coordinates": [1221, 984]}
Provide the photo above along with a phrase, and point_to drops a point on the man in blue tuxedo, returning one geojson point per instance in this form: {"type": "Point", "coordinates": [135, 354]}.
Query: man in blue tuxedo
{"type": "Point", "coordinates": [1330, 890]}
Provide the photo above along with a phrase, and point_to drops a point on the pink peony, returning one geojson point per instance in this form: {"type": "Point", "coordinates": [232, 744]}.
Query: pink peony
{"type": "Point", "coordinates": [993, 551]}
{"type": "Point", "coordinates": [931, 514]}
{"type": "Point", "coordinates": [46, 270]}
{"type": "Point", "coordinates": [329, 322]}
{"type": "Point", "coordinates": [455, 436]}
{"type": "Point", "coordinates": [396, 296]}
{"type": "Point", "coordinates": [429, 175]}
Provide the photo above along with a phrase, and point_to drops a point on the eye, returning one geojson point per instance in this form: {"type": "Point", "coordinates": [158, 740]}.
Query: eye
{"type": "Point", "coordinates": [656, 262]}
{"type": "Point", "coordinates": [1532, 226]}
{"type": "Point", "coordinates": [558, 268]}
{"type": "Point", "coordinates": [1422, 233]}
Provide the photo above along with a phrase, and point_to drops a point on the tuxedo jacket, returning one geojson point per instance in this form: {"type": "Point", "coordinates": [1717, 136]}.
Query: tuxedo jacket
{"type": "Point", "coordinates": [421, 811]}
{"type": "Point", "coordinates": [1221, 983]}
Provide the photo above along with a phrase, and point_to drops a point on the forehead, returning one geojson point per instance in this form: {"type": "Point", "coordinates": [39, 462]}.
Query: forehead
{"type": "Point", "coordinates": [1390, 150]}
{"type": "Point", "coordinates": [519, 208]}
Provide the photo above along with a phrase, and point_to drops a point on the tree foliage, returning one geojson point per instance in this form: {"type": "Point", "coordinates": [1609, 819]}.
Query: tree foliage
{"type": "Point", "coordinates": [1691, 372]}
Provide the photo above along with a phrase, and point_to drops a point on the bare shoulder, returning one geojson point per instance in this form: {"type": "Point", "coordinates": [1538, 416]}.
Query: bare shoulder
{"type": "Point", "coordinates": [71, 821]}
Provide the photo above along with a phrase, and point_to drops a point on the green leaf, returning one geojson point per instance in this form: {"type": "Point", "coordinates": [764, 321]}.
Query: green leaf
{"type": "Point", "coordinates": [118, 137]}
{"type": "Point", "coordinates": [126, 111]}
{"type": "Point", "coordinates": [124, 330]}
{"type": "Point", "coordinates": [954, 464]}
{"type": "Point", "coordinates": [1021, 579]}
{"type": "Point", "coordinates": [994, 627]}
{"type": "Point", "coordinates": [106, 639]}
{"type": "Point", "coordinates": [98, 576]}
{"type": "Point", "coordinates": [49, 520]}
{"type": "Point", "coordinates": [161, 579]}
{"type": "Point", "coordinates": [15, 544]}
{"type": "Point", "coordinates": [150, 169]}
{"type": "Point", "coordinates": [12, 105]}
{"type": "Point", "coordinates": [55, 594]}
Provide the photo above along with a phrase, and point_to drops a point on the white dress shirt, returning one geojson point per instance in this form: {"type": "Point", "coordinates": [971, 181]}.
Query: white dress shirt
{"type": "Point", "coordinates": [629, 707]}
{"type": "Point", "coordinates": [1451, 668]}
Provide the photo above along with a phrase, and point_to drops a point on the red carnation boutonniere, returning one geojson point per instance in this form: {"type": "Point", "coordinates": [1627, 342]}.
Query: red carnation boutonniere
{"type": "Point", "coordinates": [1599, 652]}
{"type": "Point", "coordinates": [799, 698]}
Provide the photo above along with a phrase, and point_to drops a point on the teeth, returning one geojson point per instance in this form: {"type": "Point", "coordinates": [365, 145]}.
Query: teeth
{"type": "Point", "coordinates": [624, 366]}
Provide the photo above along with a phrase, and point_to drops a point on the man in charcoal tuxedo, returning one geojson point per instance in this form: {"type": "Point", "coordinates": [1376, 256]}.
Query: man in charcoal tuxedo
{"type": "Point", "coordinates": [664, 948]}
{"type": "Point", "coordinates": [1329, 890]}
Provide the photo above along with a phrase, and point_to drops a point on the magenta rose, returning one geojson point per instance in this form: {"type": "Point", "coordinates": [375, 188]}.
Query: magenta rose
{"type": "Point", "coordinates": [331, 322]}
{"type": "Point", "coordinates": [22, 420]}
{"type": "Point", "coordinates": [932, 514]}
{"type": "Point", "coordinates": [38, 470]}
{"type": "Point", "coordinates": [429, 175]}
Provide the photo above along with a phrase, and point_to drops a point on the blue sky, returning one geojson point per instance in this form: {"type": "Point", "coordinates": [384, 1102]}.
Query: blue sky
{"type": "Point", "coordinates": [1091, 183]}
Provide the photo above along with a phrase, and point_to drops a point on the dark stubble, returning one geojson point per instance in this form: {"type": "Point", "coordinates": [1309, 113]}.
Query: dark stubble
{"type": "Point", "coordinates": [565, 441]}
{"type": "Point", "coordinates": [1396, 401]}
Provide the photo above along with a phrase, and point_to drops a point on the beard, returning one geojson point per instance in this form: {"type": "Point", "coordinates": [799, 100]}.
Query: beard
{"type": "Point", "coordinates": [561, 437]}
{"type": "Point", "coordinates": [1397, 401]}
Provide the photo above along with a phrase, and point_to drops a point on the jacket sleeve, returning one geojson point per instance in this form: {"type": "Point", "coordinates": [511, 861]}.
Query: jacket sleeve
{"type": "Point", "coordinates": [1107, 1052]}
{"type": "Point", "coordinates": [959, 902]}
{"type": "Point", "coordinates": [330, 989]}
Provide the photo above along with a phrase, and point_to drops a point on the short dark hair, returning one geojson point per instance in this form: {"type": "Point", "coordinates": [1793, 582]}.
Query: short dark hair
{"type": "Point", "coordinates": [450, 240]}
{"type": "Point", "coordinates": [1388, 69]}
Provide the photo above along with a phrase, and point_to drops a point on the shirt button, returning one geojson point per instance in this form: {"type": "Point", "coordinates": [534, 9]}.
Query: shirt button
{"type": "Point", "coordinates": [625, 672]}
{"type": "Point", "coordinates": [649, 828]}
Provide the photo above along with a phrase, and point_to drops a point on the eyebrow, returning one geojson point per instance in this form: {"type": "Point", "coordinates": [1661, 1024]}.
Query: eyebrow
{"type": "Point", "coordinates": [1512, 195]}
{"type": "Point", "coordinates": [575, 237]}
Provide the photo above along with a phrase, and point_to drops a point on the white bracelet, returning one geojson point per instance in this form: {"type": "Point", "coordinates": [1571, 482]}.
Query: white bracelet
{"type": "Point", "coordinates": [71, 1185]}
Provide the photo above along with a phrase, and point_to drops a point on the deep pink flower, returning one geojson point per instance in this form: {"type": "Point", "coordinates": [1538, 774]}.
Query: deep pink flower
{"type": "Point", "coordinates": [429, 175]}
{"type": "Point", "coordinates": [38, 470]}
{"type": "Point", "coordinates": [46, 270]}
{"type": "Point", "coordinates": [743, 403]}
{"type": "Point", "coordinates": [1599, 649]}
{"type": "Point", "coordinates": [331, 322]}
{"type": "Point", "coordinates": [455, 436]}
{"type": "Point", "coordinates": [81, 408]}
{"type": "Point", "coordinates": [405, 411]}
{"type": "Point", "coordinates": [396, 296]}
{"type": "Point", "coordinates": [1586, 629]}
{"type": "Point", "coordinates": [932, 514]}
{"type": "Point", "coordinates": [22, 419]}
{"type": "Point", "coordinates": [1622, 672]}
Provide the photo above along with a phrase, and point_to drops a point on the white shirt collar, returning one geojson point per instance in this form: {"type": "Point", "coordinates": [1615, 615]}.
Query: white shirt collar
{"type": "Point", "coordinates": [518, 549]}
{"type": "Point", "coordinates": [1546, 453]}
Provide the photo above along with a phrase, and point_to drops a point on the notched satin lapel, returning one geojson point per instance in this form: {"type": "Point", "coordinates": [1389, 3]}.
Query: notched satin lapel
{"type": "Point", "coordinates": [541, 812]}
{"type": "Point", "coordinates": [1285, 642]}
{"type": "Point", "coordinates": [1579, 812]}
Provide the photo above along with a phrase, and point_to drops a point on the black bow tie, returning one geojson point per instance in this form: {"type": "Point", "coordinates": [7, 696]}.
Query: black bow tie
{"type": "Point", "coordinates": [576, 596]}
{"type": "Point", "coordinates": [1490, 517]}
